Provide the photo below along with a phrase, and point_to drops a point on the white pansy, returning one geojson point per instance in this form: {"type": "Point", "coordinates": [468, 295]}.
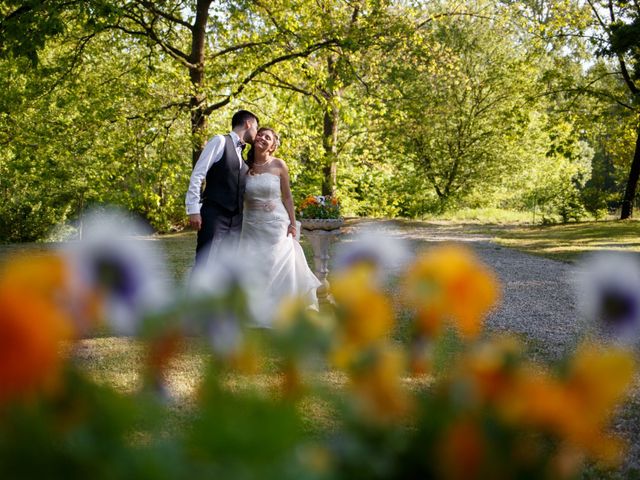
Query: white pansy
{"type": "Point", "coordinates": [225, 335]}
{"type": "Point", "coordinates": [229, 273]}
{"type": "Point", "coordinates": [608, 294]}
{"type": "Point", "coordinates": [124, 269]}
{"type": "Point", "coordinates": [374, 247]}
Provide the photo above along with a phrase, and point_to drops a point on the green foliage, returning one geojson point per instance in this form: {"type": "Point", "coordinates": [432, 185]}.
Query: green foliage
{"type": "Point", "coordinates": [457, 103]}
{"type": "Point", "coordinates": [90, 425]}
{"type": "Point", "coordinates": [26, 25]}
{"type": "Point", "coordinates": [433, 107]}
{"type": "Point", "coordinates": [595, 202]}
{"type": "Point", "coordinates": [625, 35]}
{"type": "Point", "coordinates": [601, 191]}
{"type": "Point", "coordinates": [28, 218]}
{"type": "Point", "coordinates": [93, 141]}
{"type": "Point", "coordinates": [225, 431]}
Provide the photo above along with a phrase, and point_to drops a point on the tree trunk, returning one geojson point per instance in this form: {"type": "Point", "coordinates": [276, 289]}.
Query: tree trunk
{"type": "Point", "coordinates": [330, 134]}
{"type": "Point", "coordinates": [632, 181]}
{"type": "Point", "coordinates": [196, 74]}
{"type": "Point", "coordinates": [198, 126]}
{"type": "Point", "coordinates": [329, 140]}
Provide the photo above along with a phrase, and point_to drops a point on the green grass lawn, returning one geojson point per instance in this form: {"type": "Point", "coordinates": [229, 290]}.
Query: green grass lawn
{"type": "Point", "coordinates": [179, 249]}
{"type": "Point", "coordinates": [568, 242]}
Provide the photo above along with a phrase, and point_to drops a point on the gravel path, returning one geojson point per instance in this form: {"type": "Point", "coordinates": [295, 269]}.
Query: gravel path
{"type": "Point", "coordinates": [537, 296]}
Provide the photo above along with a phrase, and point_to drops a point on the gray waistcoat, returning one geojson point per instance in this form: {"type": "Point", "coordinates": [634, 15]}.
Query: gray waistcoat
{"type": "Point", "coordinates": [226, 180]}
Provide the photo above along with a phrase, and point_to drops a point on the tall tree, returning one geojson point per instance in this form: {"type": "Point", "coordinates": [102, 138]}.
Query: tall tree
{"type": "Point", "coordinates": [606, 29]}
{"type": "Point", "coordinates": [325, 76]}
{"type": "Point", "coordinates": [458, 102]}
{"type": "Point", "coordinates": [618, 35]}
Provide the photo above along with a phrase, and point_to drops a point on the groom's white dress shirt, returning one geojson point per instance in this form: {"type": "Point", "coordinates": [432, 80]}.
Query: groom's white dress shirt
{"type": "Point", "coordinates": [211, 154]}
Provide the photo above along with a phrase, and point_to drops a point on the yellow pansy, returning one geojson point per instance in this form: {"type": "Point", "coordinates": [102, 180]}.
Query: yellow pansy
{"type": "Point", "coordinates": [577, 407]}
{"type": "Point", "coordinates": [449, 283]}
{"type": "Point", "coordinates": [378, 385]}
{"type": "Point", "coordinates": [490, 365]}
{"type": "Point", "coordinates": [365, 315]}
{"type": "Point", "coordinates": [600, 377]}
{"type": "Point", "coordinates": [44, 276]}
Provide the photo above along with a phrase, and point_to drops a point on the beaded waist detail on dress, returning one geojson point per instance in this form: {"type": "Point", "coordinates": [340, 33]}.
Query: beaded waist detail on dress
{"type": "Point", "coordinates": [267, 206]}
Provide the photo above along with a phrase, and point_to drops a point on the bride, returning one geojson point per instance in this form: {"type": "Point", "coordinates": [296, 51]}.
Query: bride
{"type": "Point", "coordinates": [268, 235]}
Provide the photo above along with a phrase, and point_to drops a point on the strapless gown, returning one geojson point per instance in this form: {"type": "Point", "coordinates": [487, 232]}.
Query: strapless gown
{"type": "Point", "coordinates": [278, 258]}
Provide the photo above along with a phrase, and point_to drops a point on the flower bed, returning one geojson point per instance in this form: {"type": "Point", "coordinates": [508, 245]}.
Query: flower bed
{"type": "Point", "coordinates": [491, 414]}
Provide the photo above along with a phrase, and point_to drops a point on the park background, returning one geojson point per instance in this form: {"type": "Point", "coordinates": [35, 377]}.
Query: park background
{"type": "Point", "coordinates": [506, 110]}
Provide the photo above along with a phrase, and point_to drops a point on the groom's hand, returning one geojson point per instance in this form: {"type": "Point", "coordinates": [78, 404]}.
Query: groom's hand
{"type": "Point", "coordinates": [195, 220]}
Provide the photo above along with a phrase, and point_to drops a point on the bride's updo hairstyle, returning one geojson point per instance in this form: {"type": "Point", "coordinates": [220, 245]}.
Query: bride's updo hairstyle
{"type": "Point", "coordinates": [251, 153]}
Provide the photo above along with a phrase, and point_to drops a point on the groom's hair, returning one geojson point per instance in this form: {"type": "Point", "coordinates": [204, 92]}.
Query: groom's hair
{"type": "Point", "coordinates": [242, 116]}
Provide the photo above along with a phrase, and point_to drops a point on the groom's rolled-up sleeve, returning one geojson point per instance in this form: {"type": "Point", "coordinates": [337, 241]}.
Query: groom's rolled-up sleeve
{"type": "Point", "coordinates": [211, 154]}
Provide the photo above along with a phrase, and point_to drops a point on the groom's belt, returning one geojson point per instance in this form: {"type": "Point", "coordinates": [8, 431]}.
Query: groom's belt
{"type": "Point", "coordinates": [256, 205]}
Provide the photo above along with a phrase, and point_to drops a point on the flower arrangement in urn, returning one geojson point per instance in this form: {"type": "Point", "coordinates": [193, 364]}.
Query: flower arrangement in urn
{"type": "Point", "coordinates": [320, 212]}
{"type": "Point", "coordinates": [320, 206]}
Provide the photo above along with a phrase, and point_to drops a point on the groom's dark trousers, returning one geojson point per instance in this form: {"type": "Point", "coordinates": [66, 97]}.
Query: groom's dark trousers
{"type": "Point", "coordinates": [219, 225]}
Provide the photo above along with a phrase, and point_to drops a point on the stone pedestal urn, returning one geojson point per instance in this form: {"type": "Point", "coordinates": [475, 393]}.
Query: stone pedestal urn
{"type": "Point", "coordinates": [321, 232]}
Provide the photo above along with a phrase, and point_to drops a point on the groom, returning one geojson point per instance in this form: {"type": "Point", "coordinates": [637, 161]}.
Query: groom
{"type": "Point", "coordinates": [216, 211]}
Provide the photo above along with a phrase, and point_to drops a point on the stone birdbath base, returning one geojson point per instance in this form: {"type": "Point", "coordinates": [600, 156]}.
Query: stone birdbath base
{"type": "Point", "coordinates": [321, 233]}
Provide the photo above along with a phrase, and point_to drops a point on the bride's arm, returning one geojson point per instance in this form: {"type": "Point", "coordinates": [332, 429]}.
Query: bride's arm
{"type": "Point", "coordinates": [287, 198]}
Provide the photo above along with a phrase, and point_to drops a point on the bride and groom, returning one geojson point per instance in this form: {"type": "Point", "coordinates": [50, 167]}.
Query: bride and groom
{"type": "Point", "coordinates": [248, 205]}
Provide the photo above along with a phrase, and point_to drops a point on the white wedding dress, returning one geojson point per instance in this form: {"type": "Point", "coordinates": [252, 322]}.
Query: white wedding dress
{"type": "Point", "coordinates": [278, 258]}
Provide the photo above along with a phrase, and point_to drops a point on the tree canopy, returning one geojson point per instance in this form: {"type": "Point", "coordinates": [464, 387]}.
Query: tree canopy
{"type": "Point", "coordinates": [398, 107]}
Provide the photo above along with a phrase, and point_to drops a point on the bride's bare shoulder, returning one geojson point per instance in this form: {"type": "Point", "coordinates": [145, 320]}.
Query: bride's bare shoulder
{"type": "Point", "coordinates": [278, 162]}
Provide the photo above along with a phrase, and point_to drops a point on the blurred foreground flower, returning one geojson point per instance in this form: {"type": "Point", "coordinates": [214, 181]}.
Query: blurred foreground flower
{"type": "Point", "coordinates": [490, 412]}
{"type": "Point", "coordinates": [232, 279]}
{"type": "Point", "coordinates": [302, 336]}
{"type": "Point", "coordinates": [365, 319]}
{"type": "Point", "coordinates": [608, 289]}
{"type": "Point", "coordinates": [117, 271]}
{"type": "Point", "coordinates": [578, 406]}
{"type": "Point", "coordinates": [34, 321]}
{"type": "Point", "coordinates": [221, 302]}
{"type": "Point", "coordinates": [493, 384]}
{"type": "Point", "coordinates": [364, 313]}
{"type": "Point", "coordinates": [371, 247]}
{"type": "Point", "coordinates": [449, 284]}
{"type": "Point", "coordinates": [377, 385]}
